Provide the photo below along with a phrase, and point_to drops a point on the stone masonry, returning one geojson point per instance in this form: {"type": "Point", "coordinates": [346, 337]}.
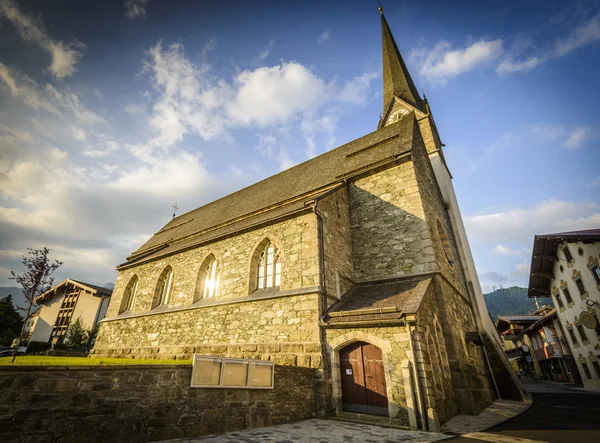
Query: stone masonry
{"type": "Point", "coordinates": [140, 403]}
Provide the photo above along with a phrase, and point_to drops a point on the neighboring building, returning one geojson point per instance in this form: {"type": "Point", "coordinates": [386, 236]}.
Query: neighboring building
{"type": "Point", "coordinates": [30, 325]}
{"type": "Point", "coordinates": [354, 263]}
{"type": "Point", "coordinates": [566, 267]}
{"type": "Point", "coordinates": [65, 303]}
{"type": "Point", "coordinates": [551, 355]}
{"type": "Point", "coordinates": [516, 345]}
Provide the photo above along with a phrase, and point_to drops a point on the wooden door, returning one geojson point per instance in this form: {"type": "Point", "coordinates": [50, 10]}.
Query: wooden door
{"type": "Point", "coordinates": [363, 379]}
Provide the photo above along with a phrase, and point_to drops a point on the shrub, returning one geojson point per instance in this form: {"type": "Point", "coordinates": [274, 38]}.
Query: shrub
{"type": "Point", "coordinates": [77, 334]}
{"type": "Point", "coordinates": [38, 346]}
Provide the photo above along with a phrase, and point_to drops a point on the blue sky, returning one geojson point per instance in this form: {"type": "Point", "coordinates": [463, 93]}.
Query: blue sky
{"type": "Point", "coordinates": [110, 112]}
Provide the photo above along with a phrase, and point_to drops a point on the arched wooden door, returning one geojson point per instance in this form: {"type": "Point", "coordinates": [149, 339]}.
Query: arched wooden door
{"type": "Point", "coordinates": [363, 379]}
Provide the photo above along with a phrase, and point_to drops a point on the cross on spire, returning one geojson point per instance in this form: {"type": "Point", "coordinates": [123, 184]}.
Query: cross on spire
{"type": "Point", "coordinates": [175, 208]}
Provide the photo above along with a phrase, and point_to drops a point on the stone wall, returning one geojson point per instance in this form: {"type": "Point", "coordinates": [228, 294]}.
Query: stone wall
{"type": "Point", "coordinates": [441, 233]}
{"type": "Point", "coordinates": [471, 380]}
{"type": "Point", "coordinates": [390, 237]}
{"type": "Point", "coordinates": [283, 329]}
{"type": "Point", "coordinates": [140, 403]}
{"type": "Point", "coordinates": [339, 275]}
{"type": "Point", "coordinates": [286, 325]}
{"type": "Point", "coordinates": [296, 239]}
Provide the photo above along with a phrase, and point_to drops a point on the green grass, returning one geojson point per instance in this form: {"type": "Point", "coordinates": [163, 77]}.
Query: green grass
{"type": "Point", "coordinates": [43, 360]}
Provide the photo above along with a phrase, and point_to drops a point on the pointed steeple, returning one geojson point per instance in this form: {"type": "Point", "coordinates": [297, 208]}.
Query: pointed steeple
{"type": "Point", "coordinates": [396, 79]}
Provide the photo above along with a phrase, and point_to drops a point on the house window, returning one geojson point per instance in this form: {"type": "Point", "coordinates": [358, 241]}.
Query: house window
{"type": "Point", "coordinates": [580, 286]}
{"type": "Point", "coordinates": [586, 370]}
{"type": "Point", "coordinates": [596, 367]}
{"type": "Point", "coordinates": [129, 295]}
{"type": "Point", "coordinates": [567, 253]}
{"type": "Point", "coordinates": [582, 333]}
{"type": "Point", "coordinates": [567, 295]}
{"type": "Point", "coordinates": [207, 283]}
{"type": "Point", "coordinates": [215, 372]}
{"type": "Point", "coordinates": [65, 313]}
{"type": "Point", "coordinates": [572, 335]}
{"type": "Point", "coordinates": [580, 251]}
{"type": "Point", "coordinates": [269, 267]}
{"type": "Point", "coordinates": [559, 300]}
{"type": "Point", "coordinates": [596, 272]}
{"type": "Point", "coordinates": [162, 293]}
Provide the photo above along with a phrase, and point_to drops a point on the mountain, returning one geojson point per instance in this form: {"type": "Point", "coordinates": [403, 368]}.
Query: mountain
{"type": "Point", "coordinates": [511, 301]}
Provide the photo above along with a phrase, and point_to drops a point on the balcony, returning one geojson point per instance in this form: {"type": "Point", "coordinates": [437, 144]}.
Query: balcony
{"type": "Point", "coordinates": [551, 350]}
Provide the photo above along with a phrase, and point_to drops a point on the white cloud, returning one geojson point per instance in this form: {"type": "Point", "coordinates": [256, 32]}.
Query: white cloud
{"type": "Point", "coordinates": [503, 250]}
{"type": "Point", "coordinates": [583, 35]}
{"type": "Point", "coordinates": [64, 55]}
{"type": "Point", "coordinates": [510, 65]}
{"type": "Point", "coordinates": [324, 37]}
{"type": "Point", "coordinates": [358, 89]}
{"type": "Point", "coordinates": [570, 137]}
{"type": "Point", "coordinates": [522, 269]}
{"type": "Point", "coordinates": [79, 134]}
{"type": "Point", "coordinates": [270, 95]}
{"type": "Point", "coordinates": [135, 8]}
{"type": "Point", "coordinates": [265, 52]}
{"type": "Point", "coordinates": [520, 225]}
{"type": "Point", "coordinates": [442, 62]}
{"type": "Point", "coordinates": [577, 136]}
{"type": "Point", "coordinates": [134, 109]}
{"type": "Point", "coordinates": [596, 181]}
{"type": "Point", "coordinates": [71, 102]}
{"type": "Point", "coordinates": [25, 90]}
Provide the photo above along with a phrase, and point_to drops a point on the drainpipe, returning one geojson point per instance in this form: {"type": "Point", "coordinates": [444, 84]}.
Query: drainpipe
{"type": "Point", "coordinates": [420, 401]}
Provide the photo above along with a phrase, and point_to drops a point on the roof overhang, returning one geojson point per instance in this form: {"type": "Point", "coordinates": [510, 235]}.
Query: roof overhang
{"type": "Point", "coordinates": [51, 293]}
{"type": "Point", "coordinates": [544, 256]}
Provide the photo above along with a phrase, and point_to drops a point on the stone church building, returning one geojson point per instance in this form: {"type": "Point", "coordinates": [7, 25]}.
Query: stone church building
{"type": "Point", "coordinates": [354, 263]}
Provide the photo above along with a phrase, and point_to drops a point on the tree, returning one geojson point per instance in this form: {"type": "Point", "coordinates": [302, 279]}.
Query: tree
{"type": "Point", "coordinates": [35, 280]}
{"type": "Point", "coordinates": [11, 321]}
{"type": "Point", "coordinates": [77, 334]}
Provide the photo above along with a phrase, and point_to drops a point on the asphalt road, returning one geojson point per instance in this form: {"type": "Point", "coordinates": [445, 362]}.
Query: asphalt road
{"type": "Point", "coordinates": [559, 413]}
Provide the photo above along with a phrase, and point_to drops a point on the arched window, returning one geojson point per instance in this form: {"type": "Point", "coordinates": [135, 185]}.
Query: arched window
{"type": "Point", "coordinates": [129, 295]}
{"type": "Point", "coordinates": [269, 267]}
{"type": "Point", "coordinates": [207, 283]}
{"type": "Point", "coordinates": [162, 293]}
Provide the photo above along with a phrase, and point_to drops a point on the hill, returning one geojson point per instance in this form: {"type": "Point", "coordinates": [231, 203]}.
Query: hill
{"type": "Point", "coordinates": [511, 301]}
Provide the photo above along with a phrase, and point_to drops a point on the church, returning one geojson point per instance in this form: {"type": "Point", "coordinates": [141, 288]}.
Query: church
{"type": "Point", "coordinates": [354, 263]}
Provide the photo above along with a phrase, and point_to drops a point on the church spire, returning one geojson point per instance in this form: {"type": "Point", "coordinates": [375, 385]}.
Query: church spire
{"type": "Point", "coordinates": [396, 79]}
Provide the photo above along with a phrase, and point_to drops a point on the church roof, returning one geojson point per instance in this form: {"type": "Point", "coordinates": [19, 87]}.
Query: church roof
{"type": "Point", "coordinates": [396, 78]}
{"type": "Point", "coordinates": [281, 194]}
{"type": "Point", "coordinates": [387, 300]}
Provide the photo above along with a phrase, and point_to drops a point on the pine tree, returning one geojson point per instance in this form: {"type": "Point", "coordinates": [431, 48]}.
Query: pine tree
{"type": "Point", "coordinates": [77, 334]}
{"type": "Point", "coordinates": [11, 322]}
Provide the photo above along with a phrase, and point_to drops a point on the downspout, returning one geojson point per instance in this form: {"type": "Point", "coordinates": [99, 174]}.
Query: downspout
{"type": "Point", "coordinates": [421, 403]}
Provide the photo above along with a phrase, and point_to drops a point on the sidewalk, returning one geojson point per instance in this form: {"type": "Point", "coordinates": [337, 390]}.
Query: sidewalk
{"type": "Point", "coordinates": [497, 412]}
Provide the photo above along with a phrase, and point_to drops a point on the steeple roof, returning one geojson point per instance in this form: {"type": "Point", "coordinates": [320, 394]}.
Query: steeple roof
{"type": "Point", "coordinates": [396, 78]}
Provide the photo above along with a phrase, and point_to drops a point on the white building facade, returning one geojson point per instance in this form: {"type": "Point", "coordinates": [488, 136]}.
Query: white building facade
{"type": "Point", "coordinates": [566, 266]}
{"type": "Point", "coordinates": [63, 304]}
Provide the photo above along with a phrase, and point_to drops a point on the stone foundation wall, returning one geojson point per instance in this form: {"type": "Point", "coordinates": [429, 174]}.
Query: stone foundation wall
{"type": "Point", "coordinates": [139, 404]}
{"type": "Point", "coordinates": [284, 330]}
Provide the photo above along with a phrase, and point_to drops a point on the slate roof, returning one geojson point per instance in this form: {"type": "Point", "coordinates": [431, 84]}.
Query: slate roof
{"type": "Point", "coordinates": [280, 194]}
{"type": "Point", "coordinates": [405, 295]}
{"type": "Point", "coordinates": [543, 257]}
{"type": "Point", "coordinates": [96, 290]}
{"type": "Point", "coordinates": [396, 78]}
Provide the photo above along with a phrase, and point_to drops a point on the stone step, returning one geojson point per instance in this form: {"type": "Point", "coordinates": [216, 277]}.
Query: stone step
{"type": "Point", "coordinates": [367, 419]}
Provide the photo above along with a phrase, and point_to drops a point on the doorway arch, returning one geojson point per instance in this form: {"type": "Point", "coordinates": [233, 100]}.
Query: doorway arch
{"type": "Point", "coordinates": [362, 377]}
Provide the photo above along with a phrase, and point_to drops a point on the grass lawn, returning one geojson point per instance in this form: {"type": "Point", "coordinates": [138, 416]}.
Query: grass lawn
{"type": "Point", "coordinates": [44, 360]}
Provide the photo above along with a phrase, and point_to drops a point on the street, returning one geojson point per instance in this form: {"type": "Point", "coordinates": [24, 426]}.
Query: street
{"type": "Point", "coordinates": [559, 413]}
